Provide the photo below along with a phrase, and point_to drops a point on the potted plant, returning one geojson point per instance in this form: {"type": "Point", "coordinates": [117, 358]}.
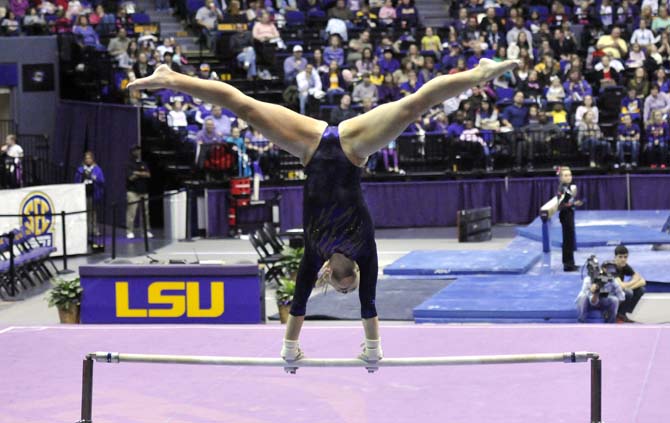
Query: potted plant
{"type": "Point", "coordinates": [284, 295]}
{"type": "Point", "coordinates": [66, 297]}
{"type": "Point", "coordinates": [290, 261]}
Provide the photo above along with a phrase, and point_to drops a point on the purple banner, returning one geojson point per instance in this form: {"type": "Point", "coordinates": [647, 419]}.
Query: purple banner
{"type": "Point", "coordinates": [171, 294]}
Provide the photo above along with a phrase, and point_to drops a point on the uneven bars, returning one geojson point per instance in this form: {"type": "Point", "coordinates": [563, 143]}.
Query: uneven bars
{"type": "Point", "coordinates": [567, 357]}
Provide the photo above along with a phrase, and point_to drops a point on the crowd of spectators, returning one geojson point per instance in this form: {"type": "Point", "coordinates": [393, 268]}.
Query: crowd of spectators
{"type": "Point", "coordinates": [592, 74]}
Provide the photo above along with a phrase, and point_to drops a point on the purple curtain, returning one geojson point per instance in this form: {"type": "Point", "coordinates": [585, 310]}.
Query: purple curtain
{"type": "Point", "coordinates": [106, 129]}
{"type": "Point", "coordinates": [435, 203]}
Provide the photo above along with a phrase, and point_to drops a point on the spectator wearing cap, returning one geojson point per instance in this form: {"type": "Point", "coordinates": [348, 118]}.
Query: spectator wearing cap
{"type": "Point", "coordinates": [293, 65]}
{"type": "Point", "coordinates": [242, 44]}
{"type": "Point", "coordinates": [206, 72]}
{"type": "Point", "coordinates": [388, 64]}
{"type": "Point", "coordinates": [365, 90]}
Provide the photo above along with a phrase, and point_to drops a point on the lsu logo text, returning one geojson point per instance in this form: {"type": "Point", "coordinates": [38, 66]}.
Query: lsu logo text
{"type": "Point", "coordinates": [182, 300]}
{"type": "Point", "coordinates": [37, 210]}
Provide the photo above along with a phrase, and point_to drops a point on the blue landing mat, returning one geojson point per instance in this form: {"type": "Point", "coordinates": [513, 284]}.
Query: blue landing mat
{"type": "Point", "coordinates": [609, 227]}
{"type": "Point", "coordinates": [447, 262]}
{"type": "Point", "coordinates": [504, 298]}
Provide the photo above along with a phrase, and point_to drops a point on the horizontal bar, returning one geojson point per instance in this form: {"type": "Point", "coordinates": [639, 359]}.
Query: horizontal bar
{"type": "Point", "coordinates": [568, 357]}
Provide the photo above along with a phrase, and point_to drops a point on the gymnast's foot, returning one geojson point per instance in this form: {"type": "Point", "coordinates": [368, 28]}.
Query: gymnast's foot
{"type": "Point", "coordinates": [372, 350]}
{"type": "Point", "coordinates": [491, 69]}
{"type": "Point", "coordinates": [159, 79]}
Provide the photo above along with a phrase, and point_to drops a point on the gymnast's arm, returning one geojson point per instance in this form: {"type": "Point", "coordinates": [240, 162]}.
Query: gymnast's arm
{"type": "Point", "coordinates": [307, 274]}
{"type": "Point", "coordinates": [293, 132]}
{"type": "Point", "coordinates": [367, 291]}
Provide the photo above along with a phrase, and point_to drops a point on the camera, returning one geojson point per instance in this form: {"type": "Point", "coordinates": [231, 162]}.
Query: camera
{"type": "Point", "coordinates": [600, 274]}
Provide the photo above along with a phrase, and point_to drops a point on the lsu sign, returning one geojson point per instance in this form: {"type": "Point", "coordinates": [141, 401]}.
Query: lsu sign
{"type": "Point", "coordinates": [171, 299]}
{"type": "Point", "coordinates": [171, 294]}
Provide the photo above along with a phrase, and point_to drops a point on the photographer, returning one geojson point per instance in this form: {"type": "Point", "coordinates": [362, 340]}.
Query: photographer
{"type": "Point", "coordinates": [600, 291]}
{"type": "Point", "coordinates": [633, 289]}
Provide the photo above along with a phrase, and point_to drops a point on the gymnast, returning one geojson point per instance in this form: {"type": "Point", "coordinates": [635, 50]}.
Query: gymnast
{"type": "Point", "coordinates": [340, 248]}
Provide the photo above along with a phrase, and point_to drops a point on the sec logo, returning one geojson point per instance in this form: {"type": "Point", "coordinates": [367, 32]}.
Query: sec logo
{"type": "Point", "coordinates": [37, 210]}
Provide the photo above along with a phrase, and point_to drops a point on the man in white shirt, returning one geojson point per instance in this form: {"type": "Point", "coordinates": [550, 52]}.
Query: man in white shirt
{"type": "Point", "coordinates": [13, 154]}
{"type": "Point", "coordinates": [309, 85]}
{"type": "Point", "coordinates": [643, 35]}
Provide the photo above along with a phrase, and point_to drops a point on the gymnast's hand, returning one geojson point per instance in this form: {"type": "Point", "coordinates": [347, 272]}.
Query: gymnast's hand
{"type": "Point", "coordinates": [372, 350]}
{"type": "Point", "coordinates": [159, 79]}
{"type": "Point", "coordinates": [291, 350]}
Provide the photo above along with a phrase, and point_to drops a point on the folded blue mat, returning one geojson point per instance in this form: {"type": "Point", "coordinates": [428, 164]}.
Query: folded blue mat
{"type": "Point", "coordinates": [448, 262]}
{"type": "Point", "coordinates": [504, 298]}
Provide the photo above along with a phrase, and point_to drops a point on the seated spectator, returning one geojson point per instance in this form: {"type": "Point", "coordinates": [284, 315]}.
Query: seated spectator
{"type": "Point", "coordinates": [206, 72]}
{"type": "Point", "coordinates": [142, 68]}
{"type": "Point", "coordinates": [662, 80]}
{"type": "Point", "coordinates": [391, 151]}
{"type": "Point", "coordinates": [86, 33]}
{"type": "Point", "coordinates": [414, 56]}
{"type": "Point", "coordinates": [522, 42]}
{"type": "Point", "coordinates": [208, 133]}
{"type": "Point", "coordinates": [515, 116]}
{"type": "Point", "coordinates": [389, 91]}
{"type": "Point", "coordinates": [334, 51]}
{"type": "Point", "coordinates": [513, 34]}
{"type": "Point", "coordinates": [555, 92]}
{"type": "Point", "coordinates": [455, 128]}
{"type": "Point", "coordinates": [168, 45]}
{"type": "Point", "coordinates": [319, 65]}
{"type": "Point", "coordinates": [495, 39]}
{"type": "Point", "coordinates": [33, 23]}
{"type": "Point", "coordinates": [460, 66]}
{"type": "Point", "coordinates": [266, 32]}
{"type": "Point", "coordinates": [357, 46]}
{"type": "Point", "coordinates": [342, 112]}
{"type": "Point", "coordinates": [626, 14]}
{"type": "Point", "coordinates": [263, 157]}
{"type": "Point", "coordinates": [588, 106]}
{"type": "Point", "coordinates": [607, 76]}
{"type": "Point", "coordinates": [402, 75]}
{"type": "Point", "coordinates": [658, 135]}
{"type": "Point", "coordinates": [639, 83]}
{"type": "Point", "coordinates": [240, 148]}
{"type": "Point", "coordinates": [487, 117]}
{"type": "Point", "coordinates": [628, 137]}
{"type": "Point", "coordinates": [341, 11]}
{"type": "Point", "coordinates": [407, 12]}
{"type": "Point", "coordinates": [201, 110]}
{"type": "Point", "coordinates": [309, 87]}
{"type": "Point", "coordinates": [547, 68]}
{"type": "Point", "coordinates": [235, 13]}
{"type": "Point", "coordinates": [662, 21]}
{"type": "Point", "coordinates": [613, 45]}
{"type": "Point", "coordinates": [242, 45]}
{"type": "Point", "coordinates": [631, 105]}
{"type": "Point", "coordinates": [428, 71]}
{"type": "Point", "coordinates": [576, 88]}
{"type": "Point", "coordinates": [367, 63]}
{"type": "Point", "coordinates": [437, 122]}
{"type": "Point", "coordinates": [179, 57]}
{"type": "Point", "coordinates": [365, 90]}
{"type": "Point", "coordinates": [208, 17]}
{"type": "Point", "coordinates": [365, 18]}
{"type": "Point", "coordinates": [10, 25]}
{"type": "Point", "coordinates": [337, 27]}
{"type": "Point", "coordinates": [176, 119]}
{"type": "Point", "coordinates": [333, 83]}
{"type": "Point", "coordinates": [412, 84]}
{"type": "Point", "coordinates": [591, 141]}
{"type": "Point", "coordinates": [450, 60]}
{"type": "Point", "coordinates": [656, 101]}
{"type": "Point", "coordinates": [293, 65]}
{"type": "Point", "coordinates": [147, 41]}
{"type": "Point", "coordinates": [431, 42]}
{"type": "Point", "coordinates": [563, 47]}
{"type": "Point", "coordinates": [559, 116]}
{"type": "Point", "coordinates": [74, 9]}
{"type": "Point", "coordinates": [536, 138]}
{"type": "Point", "coordinates": [388, 63]}
{"type": "Point", "coordinates": [471, 134]}
{"type": "Point", "coordinates": [643, 35]}
{"type": "Point", "coordinates": [532, 88]}
{"type": "Point", "coordinates": [387, 14]}
{"type": "Point", "coordinates": [118, 46]}
{"type": "Point", "coordinates": [221, 122]}
{"type": "Point", "coordinates": [376, 76]}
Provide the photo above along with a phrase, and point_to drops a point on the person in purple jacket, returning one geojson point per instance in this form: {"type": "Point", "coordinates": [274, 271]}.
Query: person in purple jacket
{"type": "Point", "coordinates": [90, 174]}
{"type": "Point", "coordinates": [628, 137]}
{"type": "Point", "coordinates": [388, 64]}
{"type": "Point", "coordinates": [658, 134]}
{"type": "Point", "coordinates": [334, 51]}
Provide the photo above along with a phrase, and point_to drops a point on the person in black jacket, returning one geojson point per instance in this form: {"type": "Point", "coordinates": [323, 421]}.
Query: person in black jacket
{"type": "Point", "coordinates": [567, 193]}
{"type": "Point", "coordinates": [343, 111]}
{"type": "Point", "coordinates": [137, 187]}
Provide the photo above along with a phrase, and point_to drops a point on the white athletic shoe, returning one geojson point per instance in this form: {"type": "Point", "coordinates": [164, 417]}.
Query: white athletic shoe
{"type": "Point", "coordinates": [130, 235]}
{"type": "Point", "coordinates": [291, 351]}
{"type": "Point", "coordinates": [372, 350]}
{"type": "Point", "coordinates": [150, 235]}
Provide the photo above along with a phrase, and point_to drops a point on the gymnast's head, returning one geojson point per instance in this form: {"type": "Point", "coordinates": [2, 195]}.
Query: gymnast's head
{"type": "Point", "coordinates": [340, 272]}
